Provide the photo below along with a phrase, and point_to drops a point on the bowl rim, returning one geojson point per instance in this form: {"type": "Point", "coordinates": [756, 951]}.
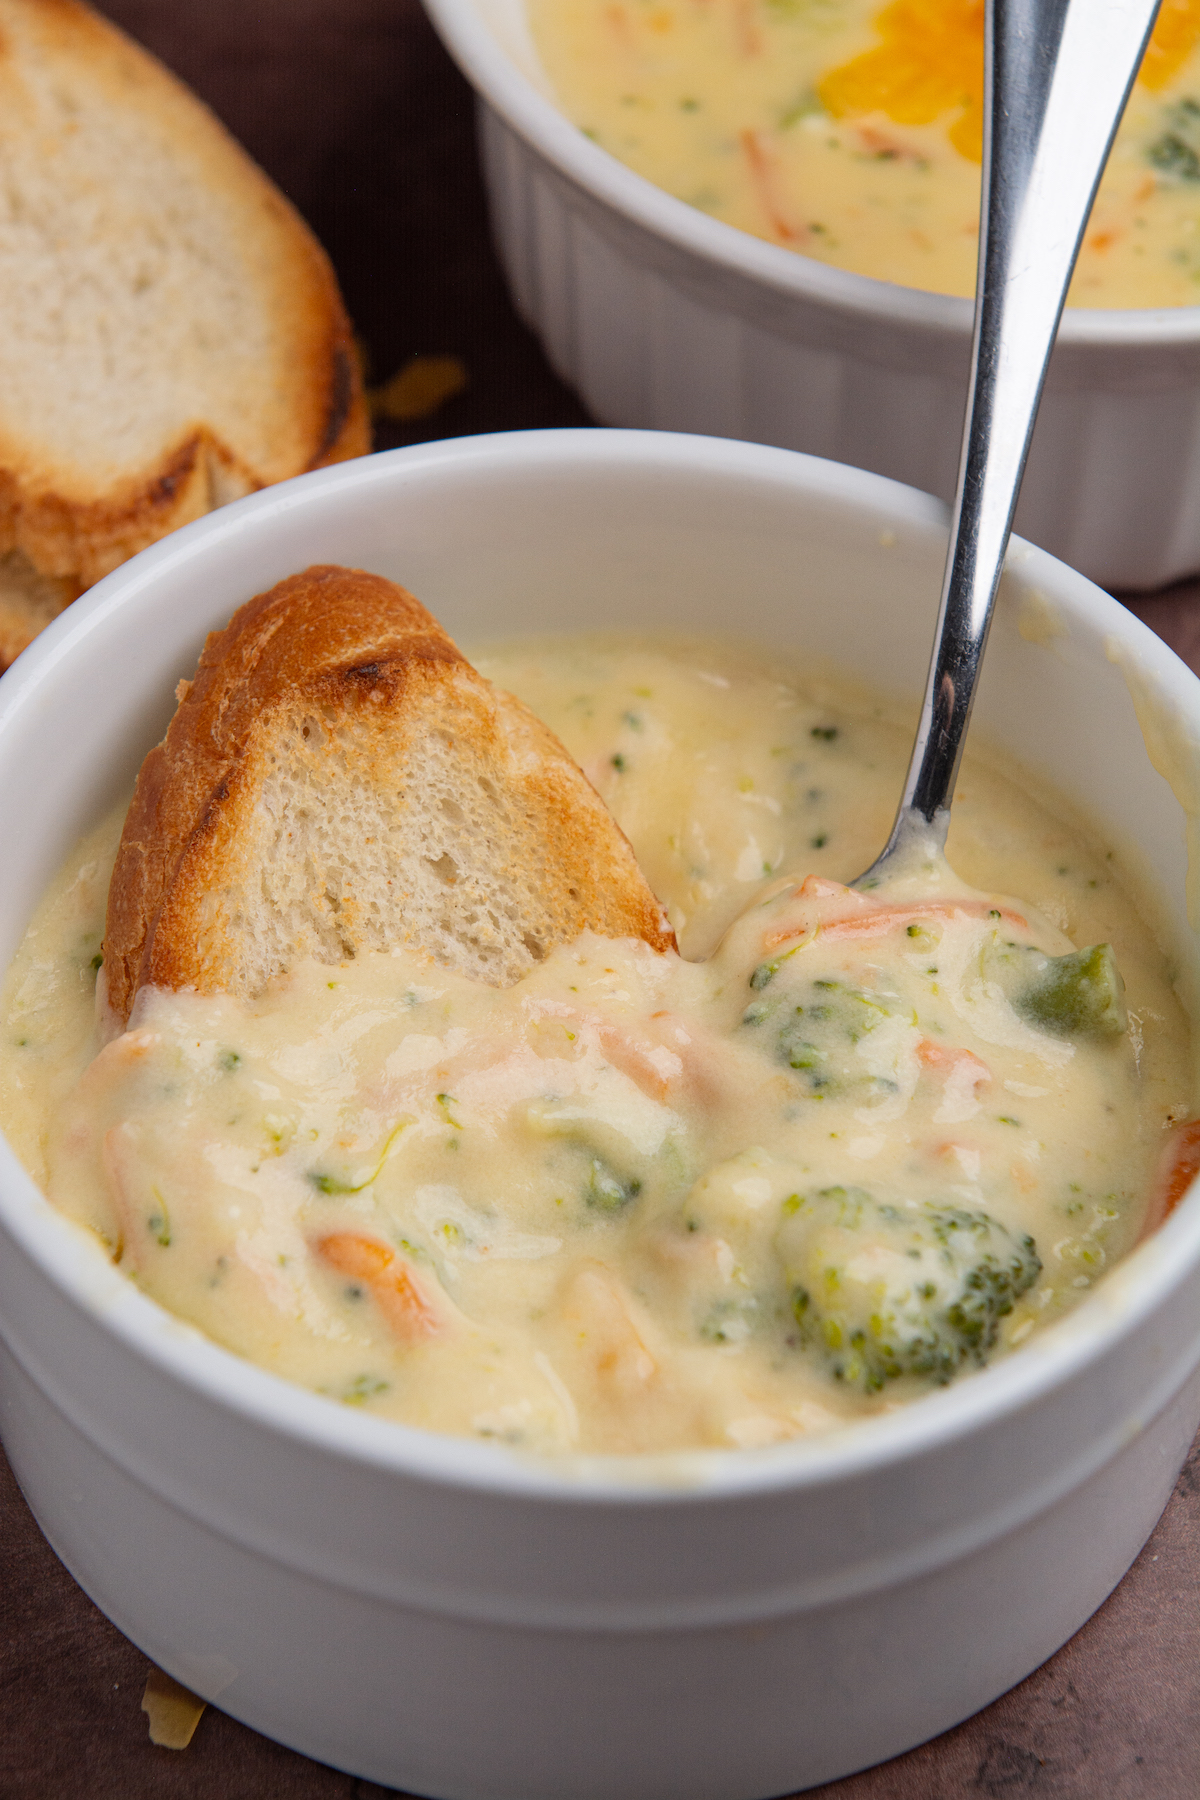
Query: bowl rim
{"type": "Point", "coordinates": [71, 1260]}
{"type": "Point", "coordinates": [534, 117]}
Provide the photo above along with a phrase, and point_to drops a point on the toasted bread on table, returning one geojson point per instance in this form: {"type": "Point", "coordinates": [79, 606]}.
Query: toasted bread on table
{"type": "Point", "coordinates": [28, 602]}
{"type": "Point", "coordinates": [172, 333]}
{"type": "Point", "coordinates": [339, 779]}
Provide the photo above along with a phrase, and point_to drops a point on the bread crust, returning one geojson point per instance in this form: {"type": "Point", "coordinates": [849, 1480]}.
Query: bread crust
{"type": "Point", "coordinates": [59, 513]}
{"type": "Point", "coordinates": [360, 664]}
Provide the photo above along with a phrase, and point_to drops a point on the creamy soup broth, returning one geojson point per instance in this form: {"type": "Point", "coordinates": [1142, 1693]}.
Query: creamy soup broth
{"type": "Point", "coordinates": [844, 1149]}
{"type": "Point", "coordinates": [852, 132]}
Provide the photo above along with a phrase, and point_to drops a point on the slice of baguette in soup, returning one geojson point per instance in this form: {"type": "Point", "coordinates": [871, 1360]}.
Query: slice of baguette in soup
{"type": "Point", "coordinates": [401, 1088]}
{"type": "Point", "coordinates": [338, 780]}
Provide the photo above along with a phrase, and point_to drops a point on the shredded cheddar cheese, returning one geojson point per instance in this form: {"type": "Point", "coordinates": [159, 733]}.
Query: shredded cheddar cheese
{"type": "Point", "coordinates": [929, 62]}
{"type": "Point", "coordinates": [852, 132]}
{"type": "Point", "coordinates": [1175, 37]}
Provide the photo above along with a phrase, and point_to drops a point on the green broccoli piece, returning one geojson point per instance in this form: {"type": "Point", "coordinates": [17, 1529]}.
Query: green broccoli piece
{"type": "Point", "coordinates": [1078, 995]}
{"type": "Point", "coordinates": [1176, 152]}
{"type": "Point", "coordinates": [605, 1189]}
{"type": "Point", "coordinates": [817, 1028]}
{"type": "Point", "coordinates": [885, 1291]}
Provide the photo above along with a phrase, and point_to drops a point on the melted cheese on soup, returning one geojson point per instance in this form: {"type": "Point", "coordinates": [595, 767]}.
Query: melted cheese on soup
{"type": "Point", "coordinates": [846, 1148]}
{"type": "Point", "coordinates": [853, 132]}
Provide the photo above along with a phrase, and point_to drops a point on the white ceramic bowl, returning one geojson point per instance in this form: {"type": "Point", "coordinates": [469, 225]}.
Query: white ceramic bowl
{"type": "Point", "coordinates": [661, 316]}
{"type": "Point", "coordinates": [444, 1616]}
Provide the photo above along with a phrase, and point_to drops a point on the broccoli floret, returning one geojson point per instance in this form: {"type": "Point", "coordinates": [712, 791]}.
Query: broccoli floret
{"type": "Point", "coordinates": [594, 1156]}
{"type": "Point", "coordinates": [1079, 995]}
{"type": "Point", "coordinates": [884, 1291]}
{"type": "Point", "coordinates": [815, 1030]}
{"type": "Point", "coordinates": [606, 1191]}
{"type": "Point", "coordinates": [1176, 152]}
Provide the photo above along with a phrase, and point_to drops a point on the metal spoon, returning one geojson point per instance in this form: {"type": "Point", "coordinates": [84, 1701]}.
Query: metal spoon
{"type": "Point", "coordinates": [1057, 77]}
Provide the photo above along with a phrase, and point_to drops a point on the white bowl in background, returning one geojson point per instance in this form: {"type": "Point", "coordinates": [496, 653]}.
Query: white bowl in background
{"type": "Point", "coordinates": [661, 316]}
{"type": "Point", "coordinates": [449, 1617]}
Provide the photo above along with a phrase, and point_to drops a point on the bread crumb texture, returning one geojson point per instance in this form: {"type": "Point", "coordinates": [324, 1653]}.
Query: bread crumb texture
{"type": "Point", "coordinates": [173, 333]}
{"type": "Point", "coordinates": [337, 780]}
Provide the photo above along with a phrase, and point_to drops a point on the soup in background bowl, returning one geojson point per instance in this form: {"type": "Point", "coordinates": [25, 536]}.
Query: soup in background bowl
{"type": "Point", "coordinates": [850, 1146]}
{"type": "Point", "coordinates": [340, 1581]}
{"type": "Point", "coordinates": [661, 314]}
{"type": "Point", "coordinates": [853, 132]}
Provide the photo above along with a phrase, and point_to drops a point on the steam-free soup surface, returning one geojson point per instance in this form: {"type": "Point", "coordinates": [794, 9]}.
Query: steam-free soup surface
{"type": "Point", "coordinates": [852, 132]}
{"type": "Point", "coordinates": [846, 1149]}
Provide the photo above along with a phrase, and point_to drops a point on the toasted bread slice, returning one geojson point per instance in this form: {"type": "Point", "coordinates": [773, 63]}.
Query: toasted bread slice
{"type": "Point", "coordinates": [339, 779]}
{"type": "Point", "coordinates": [173, 335]}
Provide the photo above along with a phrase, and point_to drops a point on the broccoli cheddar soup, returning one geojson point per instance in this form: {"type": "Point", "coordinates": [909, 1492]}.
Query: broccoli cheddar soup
{"type": "Point", "coordinates": [852, 131]}
{"type": "Point", "coordinates": [847, 1147]}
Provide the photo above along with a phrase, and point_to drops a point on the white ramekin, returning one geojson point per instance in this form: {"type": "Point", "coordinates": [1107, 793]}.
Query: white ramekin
{"type": "Point", "coordinates": [448, 1617]}
{"type": "Point", "coordinates": [661, 316]}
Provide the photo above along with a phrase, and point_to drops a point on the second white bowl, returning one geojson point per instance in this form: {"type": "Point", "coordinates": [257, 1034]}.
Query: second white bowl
{"type": "Point", "coordinates": [661, 316]}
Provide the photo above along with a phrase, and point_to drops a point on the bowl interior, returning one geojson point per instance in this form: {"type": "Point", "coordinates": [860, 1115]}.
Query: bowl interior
{"type": "Point", "coordinates": [589, 530]}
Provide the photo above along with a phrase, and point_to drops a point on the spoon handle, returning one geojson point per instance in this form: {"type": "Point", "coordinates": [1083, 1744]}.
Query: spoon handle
{"type": "Point", "coordinates": [1057, 76]}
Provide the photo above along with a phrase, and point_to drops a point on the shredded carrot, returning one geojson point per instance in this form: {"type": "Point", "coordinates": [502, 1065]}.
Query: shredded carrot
{"type": "Point", "coordinates": [887, 918]}
{"type": "Point", "coordinates": [633, 1059]}
{"type": "Point", "coordinates": [942, 1056]}
{"type": "Point", "coordinates": [749, 37]}
{"type": "Point", "coordinates": [387, 1278]}
{"type": "Point", "coordinates": [789, 934]}
{"type": "Point", "coordinates": [618, 22]}
{"type": "Point", "coordinates": [362, 1258]}
{"type": "Point", "coordinates": [120, 1053]}
{"type": "Point", "coordinates": [820, 887]}
{"type": "Point", "coordinates": [764, 175]}
{"type": "Point", "coordinates": [1177, 1169]}
{"type": "Point", "coordinates": [876, 921]}
{"type": "Point", "coordinates": [889, 148]}
{"type": "Point", "coordinates": [595, 1303]}
{"type": "Point", "coordinates": [1100, 241]}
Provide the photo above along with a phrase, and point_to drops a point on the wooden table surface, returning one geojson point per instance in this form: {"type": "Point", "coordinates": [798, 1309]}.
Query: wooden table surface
{"type": "Point", "coordinates": [354, 109]}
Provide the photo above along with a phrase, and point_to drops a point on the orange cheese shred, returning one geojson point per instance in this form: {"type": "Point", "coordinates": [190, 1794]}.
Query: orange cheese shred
{"type": "Point", "coordinates": [928, 65]}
